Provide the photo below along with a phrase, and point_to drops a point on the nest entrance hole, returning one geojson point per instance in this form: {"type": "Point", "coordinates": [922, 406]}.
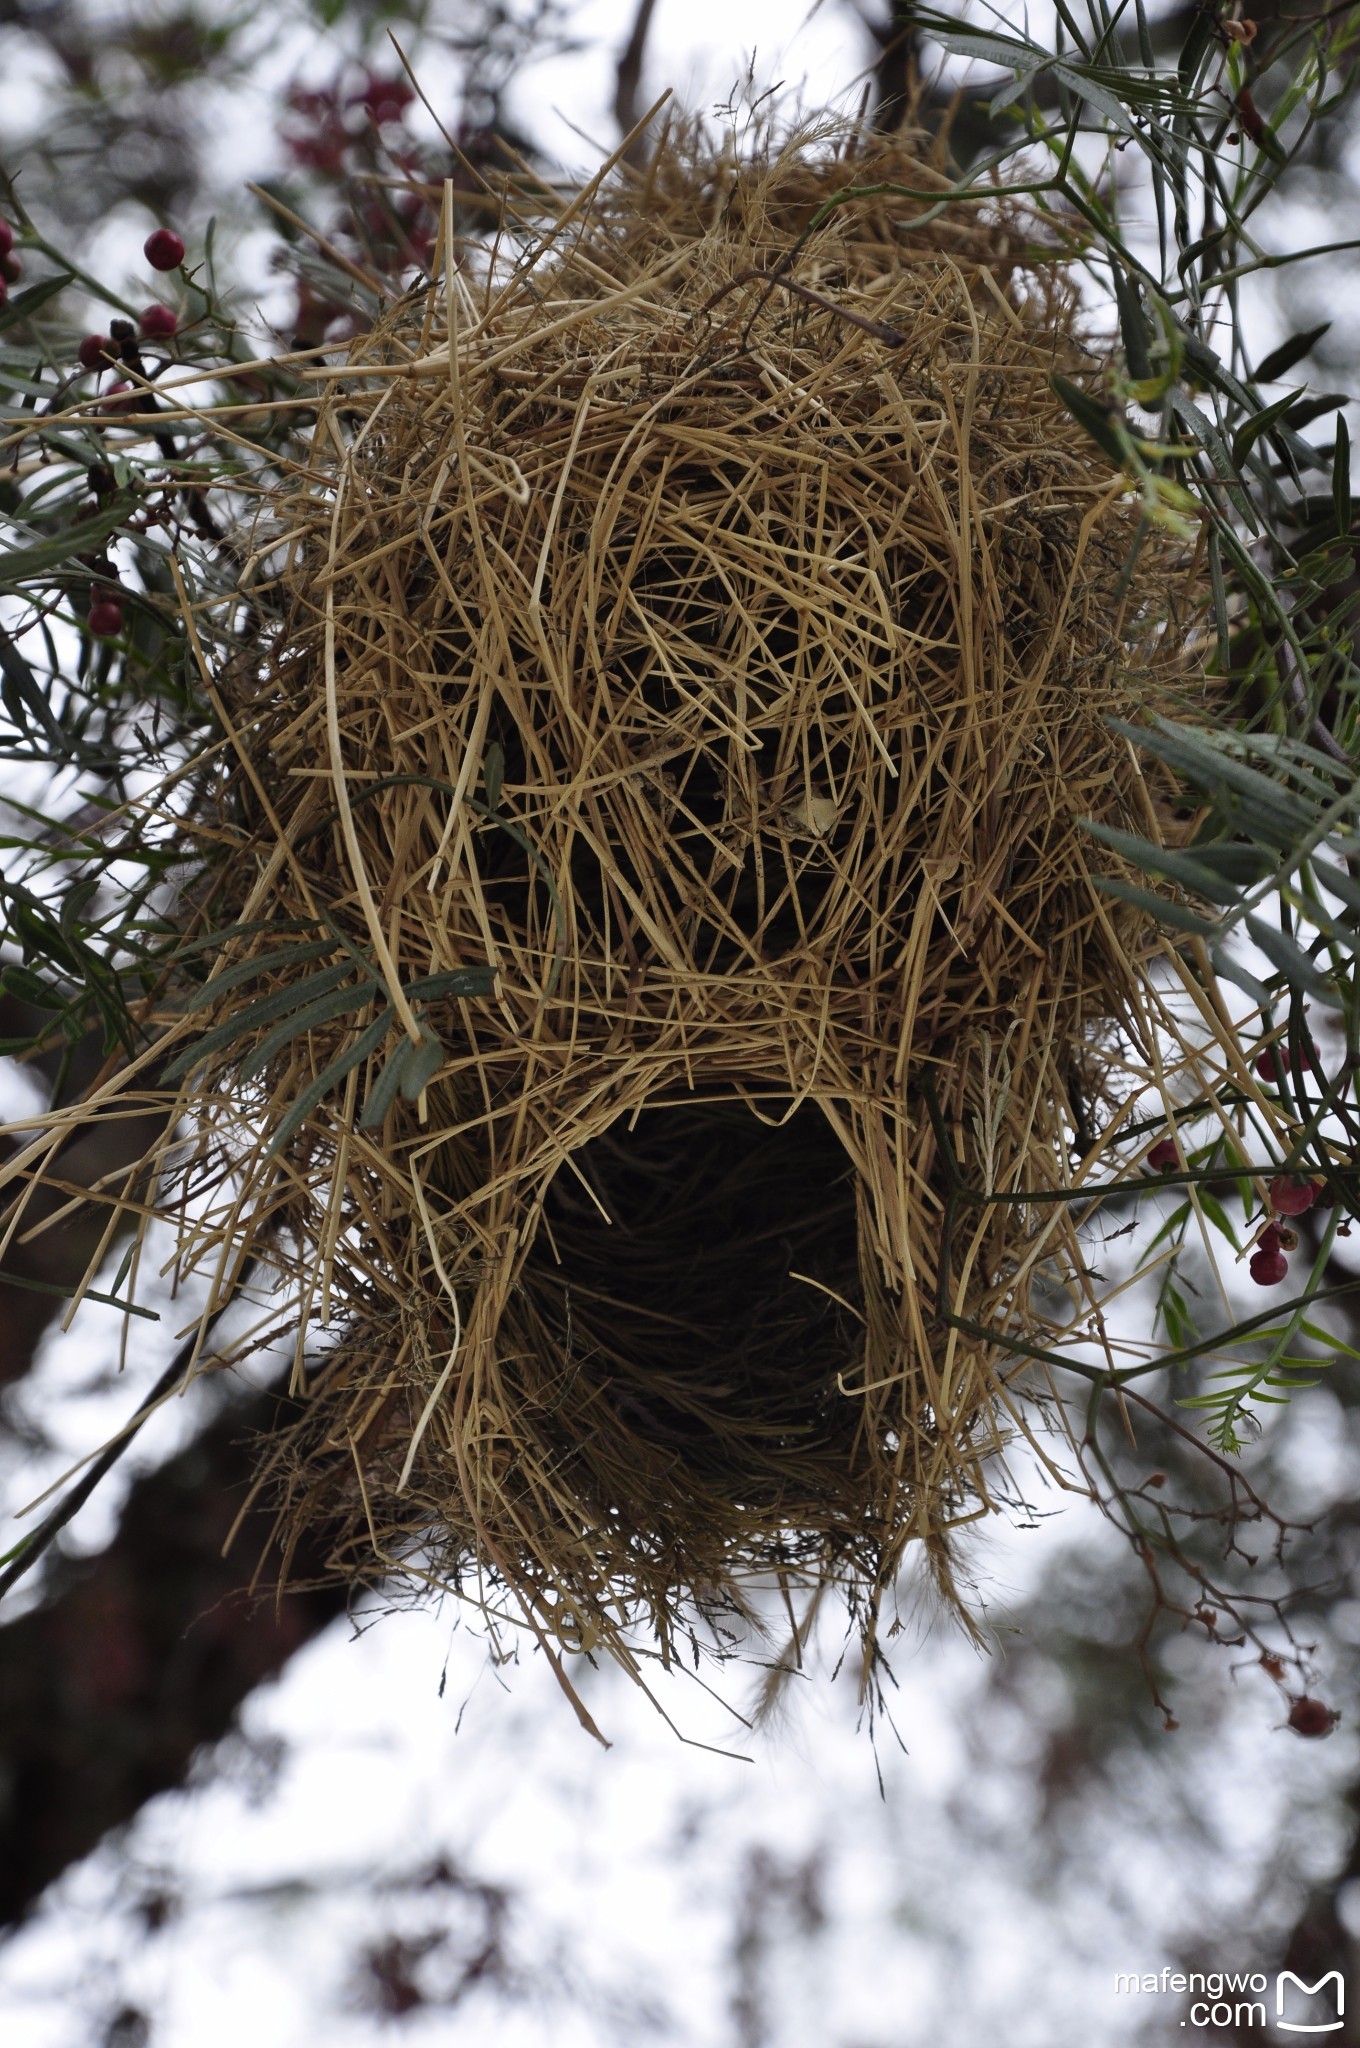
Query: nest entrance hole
{"type": "Point", "coordinates": [704, 1311]}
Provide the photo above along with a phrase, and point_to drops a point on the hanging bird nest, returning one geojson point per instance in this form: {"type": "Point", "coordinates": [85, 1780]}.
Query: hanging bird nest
{"type": "Point", "coordinates": [666, 933]}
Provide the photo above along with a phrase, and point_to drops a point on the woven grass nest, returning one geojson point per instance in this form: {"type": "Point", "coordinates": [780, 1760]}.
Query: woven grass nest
{"type": "Point", "coordinates": [698, 639]}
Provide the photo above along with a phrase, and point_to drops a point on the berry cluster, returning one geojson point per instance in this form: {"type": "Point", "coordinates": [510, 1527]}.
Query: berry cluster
{"type": "Point", "coordinates": [164, 250]}
{"type": "Point", "coordinates": [1290, 1195]}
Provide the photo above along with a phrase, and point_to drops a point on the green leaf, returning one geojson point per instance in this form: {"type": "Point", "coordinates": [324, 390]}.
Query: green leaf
{"type": "Point", "coordinates": [86, 537]}
{"type": "Point", "coordinates": [1310, 409]}
{"type": "Point", "coordinates": [330, 1077]}
{"type": "Point", "coordinates": [1197, 876]}
{"type": "Point", "coordinates": [248, 970]}
{"type": "Point", "coordinates": [339, 1002]}
{"type": "Point", "coordinates": [386, 1088]}
{"type": "Point", "coordinates": [1173, 1226]}
{"type": "Point", "coordinates": [1198, 423]}
{"type": "Point", "coordinates": [1133, 325]}
{"type": "Point", "coordinates": [1341, 478]}
{"type": "Point", "coordinates": [27, 987]}
{"type": "Point", "coordinates": [1230, 968]}
{"type": "Point", "coordinates": [1290, 352]}
{"type": "Point", "coordinates": [421, 1066]}
{"type": "Point", "coordinates": [1173, 915]}
{"type": "Point", "coordinates": [1080, 82]}
{"type": "Point", "coordinates": [1217, 1215]}
{"type": "Point", "coordinates": [1250, 432]}
{"type": "Point", "coordinates": [243, 1022]}
{"type": "Point", "coordinates": [1195, 47]}
{"type": "Point", "coordinates": [1098, 420]}
{"type": "Point", "coordinates": [983, 48]}
{"type": "Point", "coordinates": [1293, 963]}
{"type": "Point", "coordinates": [1267, 806]}
{"type": "Point", "coordinates": [462, 981]}
{"type": "Point", "coordinates": [1176, 1316]}
{"type": "Point", "coordinates": [32, 301]}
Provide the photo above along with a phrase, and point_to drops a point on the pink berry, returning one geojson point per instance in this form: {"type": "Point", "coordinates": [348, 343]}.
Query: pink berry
{"type": "Point", "coordinates": [163, 250]}
{"type": "Point", "coordinates": [1164, 1157]}
{"type": "Point", "coordinates": [1311, 1717]}
{"type": "Point", "coordinates": [1268, 1268]}
{"type": "Point", "coordinates": [6, 238]}
{"type": "Point", "coordinates": [158, 323]}
{"type": "Point", "coordinates": [121, 398]}
{"type": "Point", "coordinates": [1290, 1196]}
{"type": "Point", "coordinates": [93, 350]}
{"type": "Point", "coordinates": [105, 618]}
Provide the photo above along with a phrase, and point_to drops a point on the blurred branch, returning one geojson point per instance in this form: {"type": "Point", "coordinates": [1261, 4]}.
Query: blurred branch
{"type": "Point", "coordinates": [142, 1655]}
{"type": "Point", "coordinates": [628, 78]}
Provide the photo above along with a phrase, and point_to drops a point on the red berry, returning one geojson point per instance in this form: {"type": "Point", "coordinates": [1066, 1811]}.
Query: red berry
{"type": "Point", "coordinates": [1311, 1717]}
{"type": "Point", "coordinates": [1164, 1157]}
{"type": "Point", "coordinates": [105, 618]}
{"type": "Point", "coordinates": [1268, 1268]}
{"type": "Point", "coordinates": [6, 238]}
{"type": "Point", "coordinates": [1265, 1064]}
{"type": "Point", "coordinates": [93, 350]}
{"type": "Point", "coordinates": [163, 250]}
{"type": "Point", "coordinates": [1290, 1196]}
{"type": "Point", "coordinates": [121, 398]}
{"type": "Point", "coordinates": [11, 268]}
{"type": "Point", "coordinates": [1270, 1239]}
{"type": "Point", "coordinates": [158, 323]}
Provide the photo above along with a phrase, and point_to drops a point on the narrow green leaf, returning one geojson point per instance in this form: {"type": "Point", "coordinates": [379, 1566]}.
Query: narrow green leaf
{"type": "Point", "coordinates": [1267, 806]}
{"type": "Point", "coordinates": [1309, 409]}
{"type": "Point", "coordinates": [1080, 82]}
{"type": "Point", "coordinates": [984, 48]}
{"type": "Point", "coordinates": [249, 970]}
{"type": "Point", "coordinates": [339, 1002]}
{"type": "Point", "coordinates": [462, 981]}
{"type": "Point", "coordinates": [27, 987]}
{"type": "Point", "coordinates": [1230, 968]}
{"type": "Point", "coordinates": [330, 1077]}
{"type": "Point", "coordinates": [421, 1066]}
{"type": "Point", "coordinates": [1199, 424]}
{"type": "Point", "coordinates": [386, 1088]}
{"type": "Point", "coordinates": [1159, 860]}
{"type": "Point", "coordinates": [1097, 419]}
{"type": "Point", "coordinates": [19, 565]}
{"type": "Point", "coordinates": [1293, 963]}
{"type": "Point", "coordinates": [1217, 1215]}
{"type": "Point", "coordinates": [1341, 478]}
{"type": "Point", "coordinates": [243, 1022]}
{"type": "Point", "coordinates": [1290, 352]}
{"type": "Point", "coordinates": [1195, 47]}
{"type": "Point", "coordinates": [1133, 327]}
{"type": "Point", "coordinates": [1250, 432]}
{"type": "Point", "coordinates": [1174, 915]}
{"type": "Point", "coordinates": [32, 301]}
